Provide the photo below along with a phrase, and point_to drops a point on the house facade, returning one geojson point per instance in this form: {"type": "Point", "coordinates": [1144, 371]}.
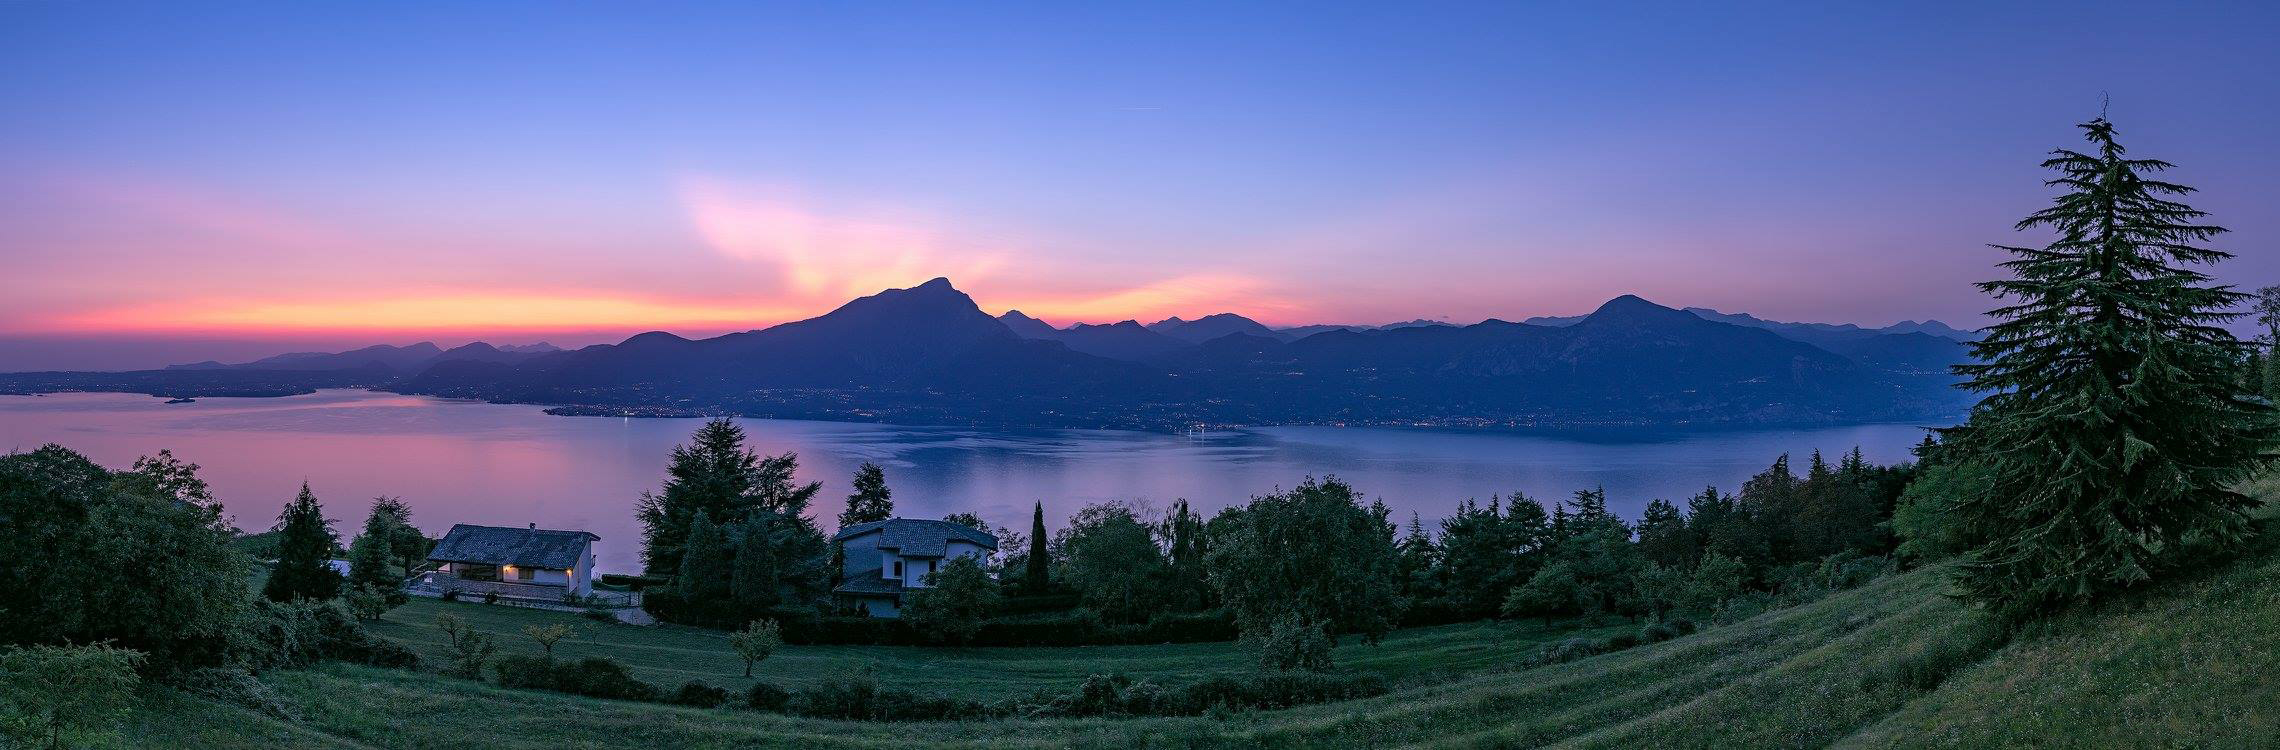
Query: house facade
{"type": "Point", "coordinates": [887, 559]}
{"type": "Point", "coordinates": [539, 558]}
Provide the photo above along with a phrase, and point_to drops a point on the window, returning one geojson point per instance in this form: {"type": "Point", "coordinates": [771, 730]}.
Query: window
{"type": "Point", "coordinates": [524, 574]}
{"type": "Point", "coordinates": [930, 566]}
{"type": "Point", "coordinates": [898, 568]}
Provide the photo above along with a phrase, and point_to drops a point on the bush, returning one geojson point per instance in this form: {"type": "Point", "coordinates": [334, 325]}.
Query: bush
{"type": "Point", "coordinates": [1116, 695]}
{"type": "Point", "coordinates": [271, 635]}
{"type": "Point", "coordinates": [851, 698]}
{"type": "Point", "coordinates": [451, 595]}
{"type": "Point", "coordinates": [697, 693]}
{"type": "Point", "coordinates": [593, 677]}
{"type": "Point", "coordinates": [766, 697]}
{"type": "Point", "coordinates": [1658, 633]}
{"type": "Point", "coordinates": [1621, 642]}
{"type": "Point", "coordinates": [1294, 644]}
{"type": "Point", "coordinates": [49, 693]}
{"type": "Point", "coordinates": [1682, 625]}
{"type": "Point", "coordinates": [599, 615]}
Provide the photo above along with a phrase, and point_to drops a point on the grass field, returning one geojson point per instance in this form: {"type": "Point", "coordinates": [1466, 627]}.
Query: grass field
{"type": "Point", "coordinates": [670, 655]}
{"type": "Point", "coordinates": [1892, 664]}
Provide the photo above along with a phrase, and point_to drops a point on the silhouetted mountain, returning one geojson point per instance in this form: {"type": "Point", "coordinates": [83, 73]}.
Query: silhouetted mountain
{"type": "Point", "coordinates": [1295, 333]}
{"type": "Point", "coordinates": [538, 348]}
{"type": "Point", "coordinates": [1127, 340]}
{"type": "Point", "coordinates": [927, 354]}
{"type": "Point", "coordinates": [1210, 327]}
{"type": "Point", "coordinates": [1932, 328]}
{"type": "Point", "coordinates": [403, 360]}
{"type": "Point", "coordinates": [1027, 327]}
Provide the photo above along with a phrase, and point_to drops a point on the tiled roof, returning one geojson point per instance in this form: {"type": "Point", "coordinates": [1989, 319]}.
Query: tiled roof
{"type": "Point", "coordinates": [917, 537]}
{"type": "Point", "coordinates": [506, 545]}
{"type": "Point", "coordinates": [869, 582]}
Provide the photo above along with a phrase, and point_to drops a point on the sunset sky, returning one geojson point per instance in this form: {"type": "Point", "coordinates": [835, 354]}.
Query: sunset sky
{"type": "Point", "coordinates": [188, 181]}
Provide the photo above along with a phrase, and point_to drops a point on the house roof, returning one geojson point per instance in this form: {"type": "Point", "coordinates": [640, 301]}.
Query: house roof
{"type": "Point", "coordinates": [917, 537]}
{"type": "Point", "coordinates": [506, 545]}
{"type": "Point", "coordinates": [870, 583]}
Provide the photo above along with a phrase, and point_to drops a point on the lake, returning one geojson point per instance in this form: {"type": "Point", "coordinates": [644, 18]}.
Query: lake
{"type": "Point", "coordinates": [464, 462]}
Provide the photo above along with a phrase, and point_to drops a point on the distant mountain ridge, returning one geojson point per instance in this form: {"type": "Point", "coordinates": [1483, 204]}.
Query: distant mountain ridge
{"type": "Point", "coordinates": [929, 355]}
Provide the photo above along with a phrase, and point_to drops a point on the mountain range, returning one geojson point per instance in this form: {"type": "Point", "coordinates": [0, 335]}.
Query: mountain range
{"type": "Point", "coordinates": [929, 355]}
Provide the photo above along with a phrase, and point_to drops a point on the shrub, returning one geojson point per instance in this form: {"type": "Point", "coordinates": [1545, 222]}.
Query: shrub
{"type": "Point", "coordinates": [490, 597]}
{"type": "Point", "coordinates": [470, 649]}
{"type": "Point", "coordinates": [852, 698]}
{"type": "Point", "coordinates": [52, 692]}
{"type": "Point", "coordinates": [593, 677]}
{"type": "Point", "coordinates": [599, 615]}
{"type": "Point", "coordinates": [271, 635]}
{"type": "Point", "coordinates": [1292, 643]}
{"type": "Point", "coordinates": [451, 595]}
{"type": "Point", "coordinates": [1658, 633]}
{"type": "Point", "coordinates": [767, 697]}
{"type": "Point", "coordinates": [1682, 625]}
{"type": "Point", "coordinates": [1621, 641]}
{"type": "Point", "coordinates": [698, 694]}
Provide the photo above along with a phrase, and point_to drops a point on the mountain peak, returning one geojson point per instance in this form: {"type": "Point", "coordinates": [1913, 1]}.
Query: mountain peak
{"type": "Point", "coordinates": [1630, 308]}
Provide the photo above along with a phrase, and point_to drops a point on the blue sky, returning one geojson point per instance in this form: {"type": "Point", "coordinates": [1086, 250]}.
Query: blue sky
{"type": "Point", "coordinates": [520, 170]}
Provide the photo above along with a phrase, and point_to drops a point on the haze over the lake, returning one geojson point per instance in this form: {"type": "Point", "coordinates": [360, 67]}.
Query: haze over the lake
{"type": "Point", "coordinates": [460, 462]}
{"type": "Point", "coordinates": [183, 182]}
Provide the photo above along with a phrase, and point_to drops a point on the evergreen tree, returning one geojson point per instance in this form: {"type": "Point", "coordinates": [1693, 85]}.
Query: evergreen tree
{"type": "Point", "coordinates": [872, 500]}
{"type": "Point", "coordinates": [406, 545]}
{"type": "Point", "coordinates": [304, 553]}
{"type": "Point", "coordinates": [1037, 577]}
{"type": "Point", "coordinates": [705, 578]}
{"type": "Point", "coordinates": [1663, 536]}
{"type": "Point", "coordinates": [373, 556]}
{"type": "Point", "coordinates": [716, 476]}
{"type": "Point", "coordinates": [754, 579]}
{"type": "Point", "coordinates": [2112, 428]}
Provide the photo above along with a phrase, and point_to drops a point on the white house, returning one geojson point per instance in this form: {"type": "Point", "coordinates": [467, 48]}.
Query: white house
{"type": "Point", "coordinates": [884, 559]}
{"type": "Point", "coordinates": [531, 556]}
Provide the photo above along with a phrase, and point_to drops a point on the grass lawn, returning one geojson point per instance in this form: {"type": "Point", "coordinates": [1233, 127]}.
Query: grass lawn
{"type": "Point", "coordinates": [670, 655]}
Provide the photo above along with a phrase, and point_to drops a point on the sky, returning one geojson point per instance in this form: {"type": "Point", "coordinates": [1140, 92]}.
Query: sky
{"type": "Point", "coordinates": [190, 181]}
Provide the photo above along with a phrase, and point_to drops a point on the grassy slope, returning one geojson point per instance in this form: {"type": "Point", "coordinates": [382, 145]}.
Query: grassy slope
{"type": "Point", "coordinates": [671, 655]}
{"type": "Point", "coordinates": [2194, 664]}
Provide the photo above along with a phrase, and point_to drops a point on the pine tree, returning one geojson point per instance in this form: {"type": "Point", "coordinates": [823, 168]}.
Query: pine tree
{"type": "Point", "coordinates": [716, 476]}
{"type": "Point", "coordinates": [872, 500]}
{"type": "Point", "coordinates": [2112, 427]}
{"type": "Point", "coordinates": [304, 553]}
{"type": "Point", "coordinates": [754, 581]}
{"type": "Point", "coordinates": [372, 556]}
{"type": "Point", "coordinates": [1037, 577]}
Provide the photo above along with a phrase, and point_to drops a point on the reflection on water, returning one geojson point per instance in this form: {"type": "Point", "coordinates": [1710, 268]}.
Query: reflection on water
{"type": "Point", "coordinates": [509, 465]}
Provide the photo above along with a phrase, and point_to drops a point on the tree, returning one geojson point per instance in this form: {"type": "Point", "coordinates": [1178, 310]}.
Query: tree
{"type": "Point", "coordinates": [872, 500]}
{"type": "Point", "coordinates": [50, 693]}
{"type": "Point", "coordinates": [716, 476]}
{"type": "Point", "coordinates": [1112, 558]}
{"type": "Point", "coordinates": [2112, 427]}
{"type": "Point", "coordinates": [1314, 552]}
{"type": "Point", "coordinates": [1663, 536]}
{"type": "Point", "coordinates": [368, 603]}
{"type": "Point", "coordinates": [1037, 579]}
{"type": "Point", "coordinates": [705, 580]}
{"type": "Point", "coordinates": [469, 649]}
{"type": "Point", "coordinates": [754, 578]}
{"type": "Point", "coordinates": [548, 635]}
{"type": "Point", "coordinates": [756, 642]}
{"type": "Point", "coordinates": [2267, 311]}
{"type": "Point", "coordinates": [62, 516]}
{"type": "Point", "coordinates": [375, 558]}
{"type": "Point", "coordinates": [1716, 579]}
{"type": "Point", "coordinates": [304, 548]}
{"type": "Point", "coordinates": [405, 542]}
{"type": "Point", "coordinates": [957, 599]}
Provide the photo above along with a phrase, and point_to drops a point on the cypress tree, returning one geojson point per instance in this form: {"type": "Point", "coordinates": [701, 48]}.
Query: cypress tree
{"type": "Point", "coordinates": [2113, 429]}
{"type": "Point", "coordinates": [1040, 561]}
{"type": "Point", "coordinates": [304, 553]}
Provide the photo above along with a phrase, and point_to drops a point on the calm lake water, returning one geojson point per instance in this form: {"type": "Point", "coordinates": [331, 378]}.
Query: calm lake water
{"type": "Point", "coordinates": [496, 464]}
